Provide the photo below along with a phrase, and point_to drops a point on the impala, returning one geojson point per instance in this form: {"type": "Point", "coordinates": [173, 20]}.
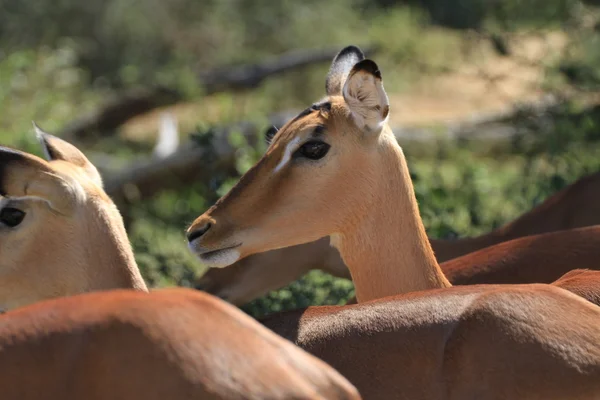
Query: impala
{"type": "Point", "coordinates": [54, 218]}
{"type": "Point", "coordinates": [336, 170]}
{"type": "Point", "coordinates": [118, 344]}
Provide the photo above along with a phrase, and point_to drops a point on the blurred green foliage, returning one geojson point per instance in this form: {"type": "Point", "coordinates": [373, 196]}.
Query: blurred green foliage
{"type": "Point", "coordinates": [61, 58]}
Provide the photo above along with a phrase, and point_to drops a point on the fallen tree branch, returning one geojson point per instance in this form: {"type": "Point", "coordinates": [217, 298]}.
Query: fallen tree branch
{"type": "Point", "coordinates": [119, 110]}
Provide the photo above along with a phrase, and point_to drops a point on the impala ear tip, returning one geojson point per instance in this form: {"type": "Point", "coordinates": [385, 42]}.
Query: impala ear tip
{"type": "Point", "coordinates": [368, 66]}
{"type": "Point", "coordinates": [351, 50]}
{"type": "Point", "coordinates": [39, 132]}
{"type": "Point", "coordinates": [43, 137]}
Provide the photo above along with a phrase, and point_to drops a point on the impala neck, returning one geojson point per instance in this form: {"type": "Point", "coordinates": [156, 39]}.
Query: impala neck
{"type": "Point", "coordinates": [387, 251]}
{"type": "Point", "coordinates": [111, 257]}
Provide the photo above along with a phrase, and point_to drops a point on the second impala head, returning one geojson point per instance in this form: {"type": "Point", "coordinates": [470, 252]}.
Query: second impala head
{"type": "Point", "coordinates": [305, 185]}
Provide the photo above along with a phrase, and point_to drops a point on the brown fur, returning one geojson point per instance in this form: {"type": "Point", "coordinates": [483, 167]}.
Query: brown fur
{"type": "Point", "coordinates": [167, 344]}
{"type": "Point", "coordinates": [70, 228]}
{"type": "Point", "coordinates": [582, 282]}
{"type": "Point", "coordinates": [476, 342]}
{"type": "Point", "coordinates": [492, 342]}
{"type": "Point", "coordinates": [574, 206]}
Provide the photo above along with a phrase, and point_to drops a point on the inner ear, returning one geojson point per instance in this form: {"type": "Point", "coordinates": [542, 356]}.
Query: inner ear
{"type": "Point", "coordinates": [340, 68]}
{"type": "Point", "coordinates": [365, 96]}
{"type": "Point", "coordinates": [57, 149]}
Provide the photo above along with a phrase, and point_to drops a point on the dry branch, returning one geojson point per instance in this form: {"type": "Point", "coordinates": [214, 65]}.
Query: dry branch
{"type": "Point", "coordinates": [118, 110]}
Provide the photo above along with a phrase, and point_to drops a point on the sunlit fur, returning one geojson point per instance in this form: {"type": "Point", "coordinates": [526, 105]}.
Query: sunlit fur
{"type": "Point", "coordinates": [72, 239]}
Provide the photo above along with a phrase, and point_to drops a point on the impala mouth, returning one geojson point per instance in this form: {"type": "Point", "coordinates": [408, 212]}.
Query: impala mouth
{"type": "Point", "coordinates": [219, 258]}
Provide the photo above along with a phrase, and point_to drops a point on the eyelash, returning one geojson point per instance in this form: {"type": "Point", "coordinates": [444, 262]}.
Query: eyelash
{"type": "Point", "coordinates": [270, 134]}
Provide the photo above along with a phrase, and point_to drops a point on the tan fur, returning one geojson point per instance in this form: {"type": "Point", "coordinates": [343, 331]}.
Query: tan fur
{"type": "Point", "coordinates": [57, 250]}
{"type": "Point", "coordinates": [492, 342]}
{"type": "Point", "coordinates": [167, 344]}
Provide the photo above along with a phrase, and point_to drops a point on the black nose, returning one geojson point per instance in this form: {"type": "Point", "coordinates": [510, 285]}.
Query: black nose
{"type": "Point", "coordinates": [198, 232]}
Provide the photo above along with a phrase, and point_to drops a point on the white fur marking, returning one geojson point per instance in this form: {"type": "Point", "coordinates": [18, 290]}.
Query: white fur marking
{"type": "Point", "coordinates": [287, 154]}
{"type": "Point", "coordinates": [221, 259]}
{"type": "Point", "coordinates": [6, 200]}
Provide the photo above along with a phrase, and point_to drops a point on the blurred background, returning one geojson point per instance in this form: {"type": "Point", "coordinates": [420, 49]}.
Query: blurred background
{"type": "Point", "coordinates": [496, 103]}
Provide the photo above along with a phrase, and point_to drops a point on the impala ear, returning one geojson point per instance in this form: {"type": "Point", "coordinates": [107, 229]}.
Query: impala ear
{"type": "Point", "coordinates": [57, 149]}
{"type": "Point", "coordinates": [340, 68]}
{"type": "Point", "coordinates": [363, 92]}
{"type": "Point", "coordinates": [23, 174]}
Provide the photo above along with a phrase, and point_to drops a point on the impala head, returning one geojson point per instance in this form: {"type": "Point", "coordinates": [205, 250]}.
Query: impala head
{"type": "Point", "coordinates": [60, 234]}
{"type": "Point", "coordinates": [315, 178]}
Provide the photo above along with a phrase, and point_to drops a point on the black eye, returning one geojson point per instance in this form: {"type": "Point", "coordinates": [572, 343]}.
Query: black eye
{"type": "Point", "coordinates": [11, 216]}
{"type": "Point", "coordinates": [313, 150]}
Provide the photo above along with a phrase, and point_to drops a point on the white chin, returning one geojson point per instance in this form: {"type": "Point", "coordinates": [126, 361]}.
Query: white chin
{"type": "Point", "coordinates": [220, 258]}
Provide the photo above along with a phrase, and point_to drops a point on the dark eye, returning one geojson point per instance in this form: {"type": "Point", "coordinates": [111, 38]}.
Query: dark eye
{"type": "Point", "coordinates": [313, 150]}
{"type": "Point", "coordinates": [11, 216]}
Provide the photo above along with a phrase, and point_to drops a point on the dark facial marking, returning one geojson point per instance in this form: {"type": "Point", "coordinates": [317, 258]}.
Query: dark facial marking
{"type": "Point", "coordinates": [324, 106]}
{"type": "Point", "coordinates": [319, 131]}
